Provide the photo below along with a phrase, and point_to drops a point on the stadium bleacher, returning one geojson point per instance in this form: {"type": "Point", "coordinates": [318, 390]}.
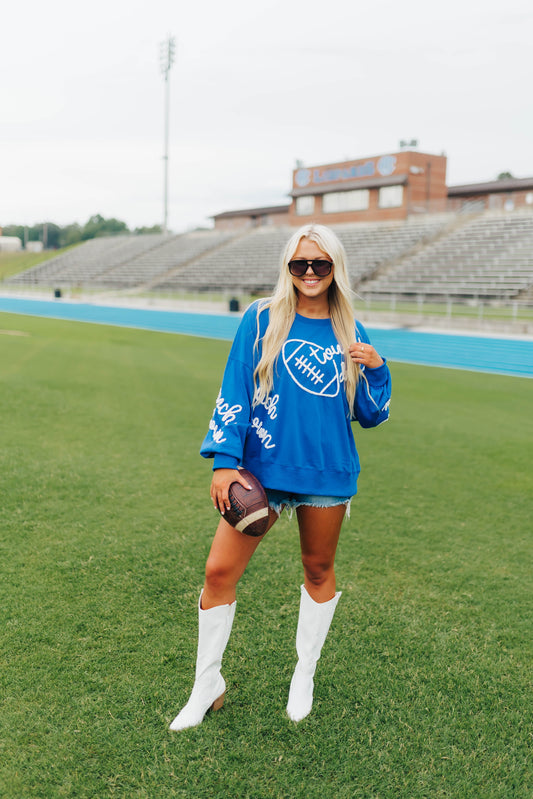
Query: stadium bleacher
{"type": "Point", "coordinates": [248, 262]}
{"type": "Point", "coordinates": [371, 246]}
{"type": "Point", "coordinates": [487, 255]}
{"type": "Point", "coordinates": [87, 263]}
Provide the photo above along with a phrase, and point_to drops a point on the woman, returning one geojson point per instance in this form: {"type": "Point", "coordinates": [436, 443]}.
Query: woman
{"type": "Point", "coordinates": [299, 371]}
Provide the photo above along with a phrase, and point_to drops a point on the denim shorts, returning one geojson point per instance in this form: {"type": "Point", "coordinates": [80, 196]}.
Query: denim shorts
{"type": "Point", "coordinates": [278, 500]}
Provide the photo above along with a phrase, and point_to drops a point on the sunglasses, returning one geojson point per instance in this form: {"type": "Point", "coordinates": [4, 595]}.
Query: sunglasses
{"type": "Point", "coordinates": [320, 267]}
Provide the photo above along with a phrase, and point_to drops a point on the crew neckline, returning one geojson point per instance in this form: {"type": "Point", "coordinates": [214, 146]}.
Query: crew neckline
{"type": "Point", "coordinates": [313, 318]}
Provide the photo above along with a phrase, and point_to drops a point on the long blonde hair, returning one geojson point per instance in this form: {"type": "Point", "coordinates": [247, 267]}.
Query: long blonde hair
{"type": "Point", "coordinates": [282, 307]}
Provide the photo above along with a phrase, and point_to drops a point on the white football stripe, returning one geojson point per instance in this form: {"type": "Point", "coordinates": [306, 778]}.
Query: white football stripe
{"type": "Point", "coordinates": [253, 517]}
{"type": "Point", "coordinates": [296, 351]}
{"type": "Point", "coordinates": [334, 380]}
{"type": "Point", "coordinates": [300, 364]}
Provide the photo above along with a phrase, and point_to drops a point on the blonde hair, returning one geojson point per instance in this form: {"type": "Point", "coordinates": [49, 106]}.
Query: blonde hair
{"type": "Point", "coordinates": [282, 307]}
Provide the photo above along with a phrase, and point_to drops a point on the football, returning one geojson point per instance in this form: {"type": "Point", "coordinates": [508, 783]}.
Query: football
{"type": "Point", "coordinates": [249, 508]}
{"type": "Point", "coordinates": [313, 368]}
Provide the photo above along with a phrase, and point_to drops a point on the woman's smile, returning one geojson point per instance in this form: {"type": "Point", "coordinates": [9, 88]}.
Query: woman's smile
{"type": "Point", "coordinates": [311, 287]}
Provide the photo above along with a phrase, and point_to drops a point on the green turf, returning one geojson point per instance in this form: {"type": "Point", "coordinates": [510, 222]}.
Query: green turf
{"type": "Point", "coordinates": [424, 686]}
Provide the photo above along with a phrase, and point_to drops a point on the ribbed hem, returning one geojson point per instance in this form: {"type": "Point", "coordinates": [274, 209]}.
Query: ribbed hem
{"type": "Point", "coordinates": [295, 480]}
{"type": "Point", "coordinates": [225, 462]}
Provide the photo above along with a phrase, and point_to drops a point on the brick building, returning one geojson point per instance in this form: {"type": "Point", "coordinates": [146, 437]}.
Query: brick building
{"type": "Point", "coordinates": [495, 195]}
{"type": "Point", "coordinates": [252, 217]}
{"type": "Point", "coordinates": [376, 189]}
{"type": "Point", "coordinates": [386, 187]}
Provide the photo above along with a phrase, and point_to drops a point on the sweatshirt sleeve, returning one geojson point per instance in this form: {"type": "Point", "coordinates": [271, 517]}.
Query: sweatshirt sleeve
{"type": "Point", "coordinates": [229, 423]}
{"type": "Point", "coordinates": [373, 394]}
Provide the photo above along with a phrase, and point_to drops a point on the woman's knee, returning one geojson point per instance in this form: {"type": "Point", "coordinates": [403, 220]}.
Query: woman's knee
{"type": "Point", "coordinates": [218, 575]}
{"type": "Point", "coordinates": [317, 570]}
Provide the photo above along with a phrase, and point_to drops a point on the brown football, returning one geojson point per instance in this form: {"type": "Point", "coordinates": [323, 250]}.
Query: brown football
{"type": "Point", "coordinates": [249, 508]}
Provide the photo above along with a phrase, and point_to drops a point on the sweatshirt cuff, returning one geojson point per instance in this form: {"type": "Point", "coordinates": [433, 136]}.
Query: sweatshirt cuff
{"type": "Point", "coordinates": [225, 462]}
{"type": "Point", "coordinates": [378, 375]}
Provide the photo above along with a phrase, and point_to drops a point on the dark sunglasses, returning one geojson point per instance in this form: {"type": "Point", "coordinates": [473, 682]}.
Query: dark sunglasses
{"type": "Point", "coordinates": [320, 267]}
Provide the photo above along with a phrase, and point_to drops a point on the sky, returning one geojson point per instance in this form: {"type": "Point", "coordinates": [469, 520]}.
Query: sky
{"type": "Point", "coordinates": [253, 88]}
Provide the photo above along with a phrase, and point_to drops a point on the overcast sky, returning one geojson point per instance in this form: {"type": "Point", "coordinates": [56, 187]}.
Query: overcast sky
{"type": "Point", "coordinates": [254, 87]}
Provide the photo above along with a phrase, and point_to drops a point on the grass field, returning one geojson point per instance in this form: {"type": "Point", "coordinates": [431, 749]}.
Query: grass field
{"type": "Point", "coordinates": [424, 686]}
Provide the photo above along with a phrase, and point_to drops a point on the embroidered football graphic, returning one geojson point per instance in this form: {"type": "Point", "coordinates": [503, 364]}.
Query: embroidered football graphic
{"type": "Point", "coordinates": [312, 367]}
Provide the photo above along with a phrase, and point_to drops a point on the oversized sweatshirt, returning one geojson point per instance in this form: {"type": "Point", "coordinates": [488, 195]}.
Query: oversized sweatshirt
{"type": "Point", "coordinates": [300, 438]}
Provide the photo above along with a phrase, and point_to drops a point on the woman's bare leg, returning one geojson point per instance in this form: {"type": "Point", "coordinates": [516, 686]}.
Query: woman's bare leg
{"type": "Point", "coordinates": [319, 535]}
{"type": "Point", "coordinates": [228, 558]}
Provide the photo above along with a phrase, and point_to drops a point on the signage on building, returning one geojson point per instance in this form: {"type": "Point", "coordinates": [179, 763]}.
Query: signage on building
{"type": "Point", "coordinates": [383, 166]}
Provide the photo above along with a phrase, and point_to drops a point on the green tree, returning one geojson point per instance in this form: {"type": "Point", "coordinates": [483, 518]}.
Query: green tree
{"type": "Point", "coordinates": [14, 230]}
{"type": "Point", "coordinates": [98, 226]}
{"type": "Point", "coordinates": [141, 231]}
{"type": "Point", "coordinates": [505, 176]}
{"type": "Point", "coordinates": [51, 235]}
{"type": "Point", "coordinates": [54, 236]}
{"type": "Point", "coordinates": [71, 234]}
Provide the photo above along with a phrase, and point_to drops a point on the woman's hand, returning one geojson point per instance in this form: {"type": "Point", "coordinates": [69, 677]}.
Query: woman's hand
{"type": "Point", "coordinates": [222, 479]}
{"type": "Point", "coordinates": [365, 355]}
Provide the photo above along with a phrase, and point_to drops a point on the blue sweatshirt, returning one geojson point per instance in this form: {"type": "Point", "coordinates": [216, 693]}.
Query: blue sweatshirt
{"type": "Point", "coordinates": [299, 439]}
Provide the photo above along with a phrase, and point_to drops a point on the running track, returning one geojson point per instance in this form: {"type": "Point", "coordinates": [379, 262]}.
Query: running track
{"type": "Point", "coordinates": [509, 356]}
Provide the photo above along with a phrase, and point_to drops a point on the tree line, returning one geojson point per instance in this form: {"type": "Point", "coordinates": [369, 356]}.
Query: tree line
{"type": "Point", "coordinates": [54, 236]}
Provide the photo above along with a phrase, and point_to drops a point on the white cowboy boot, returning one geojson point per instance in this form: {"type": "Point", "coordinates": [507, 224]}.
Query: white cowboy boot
{"type": "Point", "coordinates": [214, 628]}
{"type": "Point", "coordinates": [313, 625]}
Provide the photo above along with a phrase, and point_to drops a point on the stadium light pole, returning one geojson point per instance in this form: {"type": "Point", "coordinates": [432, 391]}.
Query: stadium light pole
{"type": "Point", "coordinates": [166, 55]}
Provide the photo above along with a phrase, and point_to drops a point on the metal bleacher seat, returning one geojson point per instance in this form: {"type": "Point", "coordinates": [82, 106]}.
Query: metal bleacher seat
{"type": "Point", "coordinates": [487, 256]}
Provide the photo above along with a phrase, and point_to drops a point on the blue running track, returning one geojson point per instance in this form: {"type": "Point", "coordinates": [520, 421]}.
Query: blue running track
{"type": "Point", "coordinates": [509, 356]}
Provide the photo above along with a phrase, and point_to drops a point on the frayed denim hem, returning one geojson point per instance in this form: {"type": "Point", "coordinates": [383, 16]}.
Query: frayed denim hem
{"type": "Point", "coordinates": [280, 501]}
